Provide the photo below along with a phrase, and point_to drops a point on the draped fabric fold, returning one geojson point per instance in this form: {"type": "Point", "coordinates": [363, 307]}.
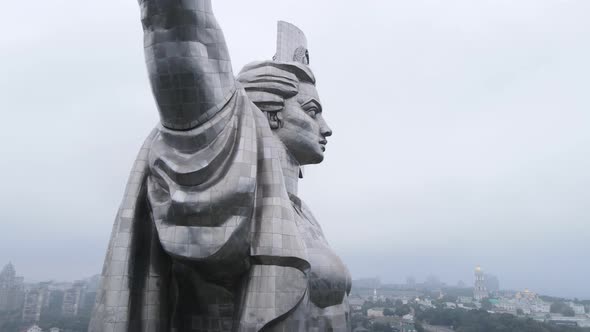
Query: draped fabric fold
{"type": "Point", "coordinates": [212, 202]}
{"type": "Point", "coordinates": [133, 290]}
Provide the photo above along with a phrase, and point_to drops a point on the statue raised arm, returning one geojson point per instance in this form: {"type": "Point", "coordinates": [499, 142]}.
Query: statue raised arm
{"type": "Point", "coordinates": [187, 59]}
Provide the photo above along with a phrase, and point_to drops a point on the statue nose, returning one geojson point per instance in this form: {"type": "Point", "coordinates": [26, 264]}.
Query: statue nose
{"type": "Point", "coordinates": [325, 130]}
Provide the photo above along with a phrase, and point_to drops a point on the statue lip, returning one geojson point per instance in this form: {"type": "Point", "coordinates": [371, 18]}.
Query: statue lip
{"type": "Point", "coordinates": [323, 145]}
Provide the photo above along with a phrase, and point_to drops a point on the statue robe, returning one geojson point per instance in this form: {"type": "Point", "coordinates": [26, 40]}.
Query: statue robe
{"type": "Point", "coordinates": [206, 213]}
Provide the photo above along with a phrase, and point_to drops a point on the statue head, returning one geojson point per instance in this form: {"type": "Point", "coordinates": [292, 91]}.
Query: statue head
{"type": "Point", "coordinates": [284, 89]}
{"type": "Point", "coordinates": [285, 92]}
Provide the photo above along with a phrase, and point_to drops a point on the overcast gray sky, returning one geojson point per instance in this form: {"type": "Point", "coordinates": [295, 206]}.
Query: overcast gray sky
{"type": "Point", "coordinates": [461, 132]}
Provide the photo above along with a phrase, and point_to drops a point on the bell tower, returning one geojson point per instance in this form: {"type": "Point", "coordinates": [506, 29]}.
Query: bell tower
{"type": "Point", "coordinates": [479, 290]}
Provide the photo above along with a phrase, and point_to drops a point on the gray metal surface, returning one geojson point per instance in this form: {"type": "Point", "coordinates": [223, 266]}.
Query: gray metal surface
{"type": "Point", "coordinates": [211, 234]}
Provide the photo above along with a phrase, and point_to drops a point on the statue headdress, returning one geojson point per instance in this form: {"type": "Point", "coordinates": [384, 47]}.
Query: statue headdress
{"type": "Point", "coordinates": [268, 83]}
{"type": "Point", "coordinates": [291, 44]}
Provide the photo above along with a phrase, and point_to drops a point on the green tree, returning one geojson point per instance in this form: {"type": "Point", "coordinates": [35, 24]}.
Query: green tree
{"type": "Point", "coordinates": [10, 321]}
{"type": "Point", "coordinates": [560, 307]}
{"type": "Point", "coordinates": [569, 312]}
{"type": "Point", "coordinates": [483, 321]}
{"type": "Point", "coordinates": [403, 310]}
{"type": "Point", "coordinates": [486, 304]}
{"type": "Point", "coordinates": [449, 298]}
{"type": "Point", "coordinates": [419, 327]}
{"type": "Point", "coordinates": [381, 327]}
{"type": "Point", "coordinates": [388, 312]}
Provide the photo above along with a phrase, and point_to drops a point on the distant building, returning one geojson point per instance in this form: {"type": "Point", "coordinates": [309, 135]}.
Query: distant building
{"type": "Point", "coordinates": [402, 295]}
{"type": "Point", "coordinates": [526, 295]}
{"type": "Point", "coordinates": [541, 308]}
{"type": "Point", "coordinates": [578, 308]}
{"type": "Point", "coordinates": [426, 303]}
{"type": "Point", "coordinates": [433, 283]}
{"type": "Point", "coordinates": [479, 291]}
{"type": "Point", "coordinates": [371, 283]}
{"type": "Point", "coordinates": [88, 300]}
{"type": "Point", "coordinates": [404, 324]}
{"type": "Point", "coordinates": [408, 323]}
{"type": "Point", "coordinates": [356, 303]}
{"type": "Point", "coordinates": [527, 301]}
{"type": "Point", "coordinates": [34, 328]}
{"type": "Point", "coordinates": [464, 299]}
{"type": "Point", "coordinates": [492, 283]}
{"type": "Point", "coordinates": [375, 312]}
{"type": "Point", "coordinates": [11, 289]}
{"type": "Point", "coordinates": [565, 321]}
{"type": "Point", "coordinates": [72, 301]}
{"type": "Point", "coordinates": [506, 305]}
{"type": "Point", "coordinates": [52, 306]}
{"type": "Point", "coordinates": [35, 299]}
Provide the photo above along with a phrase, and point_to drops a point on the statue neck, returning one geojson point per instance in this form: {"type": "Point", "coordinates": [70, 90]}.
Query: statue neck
{"type": "Point", "coordinates": [291, 169]}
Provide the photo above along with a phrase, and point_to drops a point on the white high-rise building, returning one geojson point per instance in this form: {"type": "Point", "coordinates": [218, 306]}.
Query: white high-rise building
{"type": "Point", "coordinates": [479, 290]}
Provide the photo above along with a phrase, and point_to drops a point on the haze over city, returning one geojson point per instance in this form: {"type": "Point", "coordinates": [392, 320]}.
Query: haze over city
{"type": "Point", "coordinates": [460, 133]}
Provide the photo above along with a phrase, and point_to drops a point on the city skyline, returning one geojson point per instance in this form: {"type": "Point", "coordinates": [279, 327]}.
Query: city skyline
{"type": "Point", "coordinates": [468, 282]}
{"type": "Point", "coordinates": [404, 307]}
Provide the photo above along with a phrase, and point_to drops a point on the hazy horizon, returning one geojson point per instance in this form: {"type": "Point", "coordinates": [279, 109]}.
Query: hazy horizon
{"type": "Point", "coordinates": [461, 133]}
{"type": "Point", "coordinates": [468, 282]}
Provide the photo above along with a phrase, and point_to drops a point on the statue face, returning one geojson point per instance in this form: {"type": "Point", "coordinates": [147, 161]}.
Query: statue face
{"type": "Point", "coordinates": [304, 131]}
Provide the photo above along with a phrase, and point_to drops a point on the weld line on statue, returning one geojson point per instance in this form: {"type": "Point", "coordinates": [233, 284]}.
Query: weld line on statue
{"type": "Point", "coordinates": [211, 234]}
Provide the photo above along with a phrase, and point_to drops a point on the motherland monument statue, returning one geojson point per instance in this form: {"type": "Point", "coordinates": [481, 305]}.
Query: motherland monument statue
{"type": "Point", "coordinates": [211, 234]}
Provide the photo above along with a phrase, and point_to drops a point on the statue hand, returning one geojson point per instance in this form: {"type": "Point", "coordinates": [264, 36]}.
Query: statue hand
{"type": "Point", "coordinates": [184, 43]}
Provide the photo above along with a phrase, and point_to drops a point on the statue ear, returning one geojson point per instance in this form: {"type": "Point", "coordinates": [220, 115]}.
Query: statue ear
{"type": "Point", "coordinates": [275, 119]}
{"type": "Point", "coordinates": [271, 105]}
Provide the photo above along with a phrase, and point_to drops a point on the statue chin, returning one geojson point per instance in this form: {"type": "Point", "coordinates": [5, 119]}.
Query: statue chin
{"type": "Point", "coordinates": [307, 156]}
{"type": "Point", "coordinates": [313, 159]}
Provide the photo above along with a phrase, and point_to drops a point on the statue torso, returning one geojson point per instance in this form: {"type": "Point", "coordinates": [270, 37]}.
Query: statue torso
{"type": "Point", "coordinates": [329, 279]}
{"type": "Point", "coordinates": [210, 227]}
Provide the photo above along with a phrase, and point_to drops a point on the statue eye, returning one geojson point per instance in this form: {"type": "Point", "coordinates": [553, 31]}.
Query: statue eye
{"type": "Point", "coordinates": [312, 112]}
